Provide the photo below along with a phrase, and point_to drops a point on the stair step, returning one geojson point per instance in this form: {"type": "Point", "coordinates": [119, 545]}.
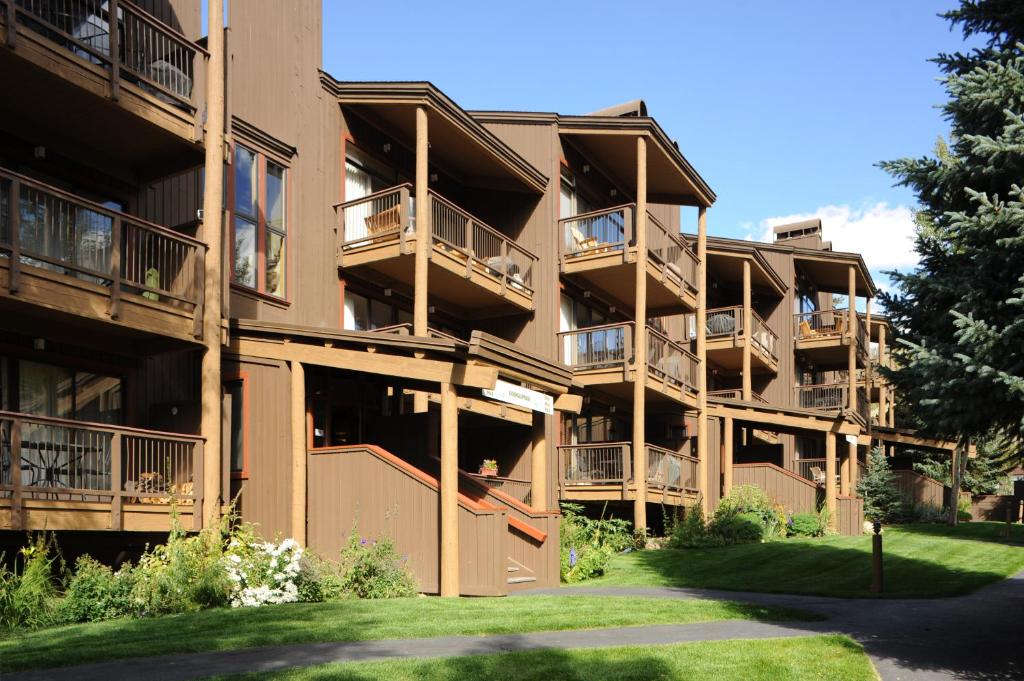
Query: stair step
{"type": "Point", "coordinates": [513, 568]}
{"type": "Point", "coordinates": [521, 580]}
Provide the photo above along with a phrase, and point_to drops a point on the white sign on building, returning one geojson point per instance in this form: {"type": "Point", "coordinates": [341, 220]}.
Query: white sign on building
{"type": "Point", "coordinates": [511, 393]}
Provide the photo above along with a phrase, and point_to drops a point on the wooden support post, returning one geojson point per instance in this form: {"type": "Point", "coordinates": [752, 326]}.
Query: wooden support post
{"type": "Point", "coordinates": [17, 498]}
{"type": "Point", "coordinates": [851, 357]}
{"type": "Point", "coordinates": [116, 486]}
{"type": "Point", "coordinates": [831, 503]}
{"type": "Point", "coordinates": [845, 462]}
{"type": "Point", "coordinates": [298, 431]}
{"type": "Point", "coordinates": [449, 490]}
{"type": "Point", "coordinates": [539, 463]}
{"type": "Point", "coordinates": [854, 474]}
{"type": "Point", "coordinates": [868, 369]}
{"type": "Point", "coordinates": [114, 38]}
{"type": "Point", "coordinates": [213, 226]}
{"type": "Point", "coordinates": [640, 342]}
{"type": "Point", "coordinates": [424, 243]}
{"type": "Point", "coordinates": [954, 504]}
{"type": "Point", "coordinates": [115, 268]}
{"type": "Point", "coordinates": [748, 331]}
{"type": "Point", "coordinates": [702, 351]}
{"type": "Point", "coordinates": [877, 574]}
{"type": "Point", "coordinates": [727, 458]}
{"type": "Point", "coordinates": [14, 228]}
{"type": "Point", "coordinates": [12, 23]}
{"type": "Point", "coordinates": [198, 457]}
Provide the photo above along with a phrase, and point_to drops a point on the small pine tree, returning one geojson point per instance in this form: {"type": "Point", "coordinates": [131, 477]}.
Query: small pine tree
{"type": "Point", "coordinates": [882, 499]}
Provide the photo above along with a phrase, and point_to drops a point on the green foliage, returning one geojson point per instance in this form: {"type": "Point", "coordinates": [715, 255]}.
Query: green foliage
{"type": "Point", "coordinates": [806, 525]}
{"type": "Point", "coordinates": [692, 531]}
{"type": "Point", "coordinates": [960, 314]}
{"type": "Point", "coordinates": [95, 592]}
{"type": "Point", "coordinates": [753, 499]}
{"type": "Point", "coordinates": [587, 545]}
{"type": "Point", "coordinates": [745, 515]}
{"type": "Point", "coordinates": [730, 528]}
{"type": "Point", "coordinates": [372, 569]}
{"type": "Point", "coordinates": [319, 580]}
{"type": "Point", "coordinates": [28, 598]}
{"type": "Point", "coordinates": [882, 500]}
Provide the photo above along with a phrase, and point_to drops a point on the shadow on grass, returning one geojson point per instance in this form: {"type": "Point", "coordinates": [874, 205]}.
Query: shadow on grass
{"type": "Point", "coordinates": [920, 561]}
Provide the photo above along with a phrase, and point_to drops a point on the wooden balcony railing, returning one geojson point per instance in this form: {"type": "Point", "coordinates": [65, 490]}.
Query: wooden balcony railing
{"type": "Point", "coordinates": [143, 50]}
{"type": "Point", "coordinates": [763, 337]}
{"type": "Point", "coordinates": [669, 250]}
{"type": "Point", "coordinates": [863, 404]}
{"type": "Point", "coordinates": [825, 396]}
{"type": "Point", "coordinates": [482, 245]}
{"type": "Point", "coordinates": [597, 347]}
{"type": "Point", "coordinates": [813, 469]}
{"type": "Point", "coordinates": [671, 470]}
{"type": "Point", "coordinates": [672, 361]}
{"type": "Point", "coordinates": [517, 489]}
{"type": "Point", "coordinates": [820, 323]}
{"type": "Point", "coordinates": [601, 463]}
{"type": "Point", "coordinates": [724, 322]}
{"type": "Point", "coordinates": [63, 233]}
{"type": "Point", "coordinates": [391, 213]}
{"type": "Point", "coordinates": [613, 229]}
{"type": "Point", "coordinates": [405, 329]}
{"type": "Point", "coordinates": [737, 394]}
{"type": "Point", "coordinates": [75, 461]}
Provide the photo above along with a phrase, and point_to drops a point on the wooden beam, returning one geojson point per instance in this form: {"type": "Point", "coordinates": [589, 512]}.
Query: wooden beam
{"type": "Point", "coordinates": [413, 368]}
{"type": "Point", "coordinates": [748, 331]}
{"type": "Point", "coordinates": [640, 342]}
{"type": "Point", "coordinates": [822, 424]}
{"type": "Point", "coordinates": [539, 463]}
{"type": "Point", "coordinates": [727, 462]}
{"type": "Point", "coordinates": [831, 503]}
{"type": "Point", "coordinates": [423, 233]}
{"type": "Point", "coordinates": [212, 231]}
{"type": "Point", "coordinates": [851, 351]}
{"type": "Point", "coordinates": [484, 407]}
{"type": "Point", "coordinates": [298, 433]}
{"type": "Point", "coordinates": [702, 355]}
{"type": "Point", "coordinates": [844, 469]}
{"type": "Point", "coordinates": [572, 404]}
{"type": "Point", "coordinates": [854, 468]}
{"type": "Point", "coordinates": [449, 549]}
{"type": "Point", "coordinates": [883, 388]}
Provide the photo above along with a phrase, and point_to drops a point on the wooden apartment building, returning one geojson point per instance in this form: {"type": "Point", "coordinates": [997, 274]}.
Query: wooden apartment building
{"type": "Point", "coordinates": [284, 334]}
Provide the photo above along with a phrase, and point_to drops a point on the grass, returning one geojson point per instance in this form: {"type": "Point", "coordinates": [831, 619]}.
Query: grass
{"type": "Point", "coordinates": [920, 561]}
{"type": "Point", "coordinates": [789, 659]}
{"type": "Point", "coordinates": [355, 620]}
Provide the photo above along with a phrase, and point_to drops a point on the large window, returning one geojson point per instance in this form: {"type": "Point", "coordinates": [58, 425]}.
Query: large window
{"type": "Point", "coordinates": [259, 222]}
{"type": "Point", "coordinates": [61, 392]}
{"type": "Point", "coordinates": [367, 314]}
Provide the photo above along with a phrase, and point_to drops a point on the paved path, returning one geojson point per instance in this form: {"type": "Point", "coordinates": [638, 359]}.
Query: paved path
{"type": "Point", "coordinates": [977, 637]}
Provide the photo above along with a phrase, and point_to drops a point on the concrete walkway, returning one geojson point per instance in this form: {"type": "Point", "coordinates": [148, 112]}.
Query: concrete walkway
{"type": "Point", "coordinates": [976, 637]}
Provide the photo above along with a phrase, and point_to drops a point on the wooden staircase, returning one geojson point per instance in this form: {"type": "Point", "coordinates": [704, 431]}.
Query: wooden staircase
{"type": "Point", "coordinates": [519, 576]}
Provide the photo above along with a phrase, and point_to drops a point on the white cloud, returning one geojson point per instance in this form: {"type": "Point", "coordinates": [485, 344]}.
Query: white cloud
{"type": "Point", "coordinates": [883, 235]}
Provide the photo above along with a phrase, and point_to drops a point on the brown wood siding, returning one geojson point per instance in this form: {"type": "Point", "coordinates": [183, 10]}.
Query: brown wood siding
{"type": "Point", "coordinates": [184, 16]}
{"type": "Point", "coordinates": [266, 494]}
{"type": "Point", "coordinates": [851, 515]}
{"type": "Point", "coordinates": [994, 507]}
{"type": "Point", "coordinates": [356, 489]}
{"type": "Point", "coordinates": [714, 453]}
{"type": "Point", "coordinates": [172, 201]}
{"type": "Point", "coordinates": [796, 494]}
{"type": "Point", "coordinates": [920, 490]}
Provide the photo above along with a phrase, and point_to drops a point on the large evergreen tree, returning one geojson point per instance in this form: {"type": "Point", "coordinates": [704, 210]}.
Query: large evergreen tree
{"type": "Point", "coordinates": [960, 313]}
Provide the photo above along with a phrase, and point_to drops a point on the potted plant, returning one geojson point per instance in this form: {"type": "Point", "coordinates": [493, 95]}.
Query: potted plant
{"type": "Point", "coordinates": [489, 467]}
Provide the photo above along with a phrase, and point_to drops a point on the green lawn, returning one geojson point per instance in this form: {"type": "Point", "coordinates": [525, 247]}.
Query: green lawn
{"type": "Point", "coordinates": [790, 659]}
{"type": "Point", "coordinates": [920, 561]}
{"type": "Point", "coordinates": [355, 620]}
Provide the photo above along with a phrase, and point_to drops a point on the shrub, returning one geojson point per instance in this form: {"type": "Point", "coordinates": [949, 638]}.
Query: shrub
{"type": "Point", "coordinates": [730, 528]}
{"type": "Point", "coordinates": [95, 592]}
{"type": "Point", "coordinates": [318, 580]}
{"type": "Point", "coordinates": [753, 500]}
{"type": "Point", "coordinates": [692, 531]}
{"type": "Point", "coordinates": [374, 570]}
{"type": "Point", "coordinates": [28, 599]}
{"type": "Point", "coordinates": [929, 513]}
{"type": "Point", "coordinates": [806, 525]}
{"type": "Point", "coordinates": [587, 545]}
{"type": "Point", "coordinates": [261, 572]}
{"type": "Point", "coordinates": [882, 500]}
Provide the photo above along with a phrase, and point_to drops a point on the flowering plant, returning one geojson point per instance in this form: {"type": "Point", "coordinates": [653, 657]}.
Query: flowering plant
{"type": "Point", "coordinates": [262, 573]}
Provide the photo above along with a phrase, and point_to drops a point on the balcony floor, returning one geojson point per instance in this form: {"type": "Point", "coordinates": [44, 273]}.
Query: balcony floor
{"type": "Point", "coordinates": [616, 492]}
{"type": "Point", "coordinates": [48, 514]}
{"type": "Point", "coordinates": [70, 305]}
{"type": "Point", "coordinates": [614, 382]}
{"type": "Point", "coordinates": [727, 353]}
{"type": "Point", "coordinates": [824, 350]}
{"type": "Point", "coordinates": [479, 295]}
{"type": "Point", "coordinates": [615, 277]}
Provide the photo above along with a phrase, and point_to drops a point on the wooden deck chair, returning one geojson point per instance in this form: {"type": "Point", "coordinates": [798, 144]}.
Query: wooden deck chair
{"type": "Point", "coordinates": [817, 475]}
{"type": "Point", "coordinates": [581, 242]}
{"type": "Point", "coordinates": [805, 329]}
{"type": "Point", "coordinates": [384, 221]}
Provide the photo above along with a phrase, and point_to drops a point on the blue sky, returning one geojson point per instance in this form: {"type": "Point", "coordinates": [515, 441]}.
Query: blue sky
{"type": "Point", "coordinates": [783, 107]}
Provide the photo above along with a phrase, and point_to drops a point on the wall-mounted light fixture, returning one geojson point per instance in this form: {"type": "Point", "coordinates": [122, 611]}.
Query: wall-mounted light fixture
{"type": "Point", "coordinates": [387, 147]}
{"type": "Point", "coordinates": [586, 168]}
{"type": "Point", "coordinates": [38, 343]}
{"type": "Point", "coordinates": [387, 293]}
{"type": "Point", "coordinates": [433, 177]}
{"type": "Point", "coordinates": [613, 192]}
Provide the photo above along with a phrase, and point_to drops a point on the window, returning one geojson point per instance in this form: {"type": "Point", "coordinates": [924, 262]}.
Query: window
{"type": "Point", "coordinates": [234, 391]}
{"type": "Point", "coordinates": [61, 392]}
{"type": "Point", "coordinates": [364, 176]}
{"type": "Point", "coordinates": [259, 222]}
{"type": "Point", "coordinates": [367, 314]}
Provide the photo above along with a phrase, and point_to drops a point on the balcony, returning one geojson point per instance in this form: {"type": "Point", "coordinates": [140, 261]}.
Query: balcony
{"type": "Point", "coordinates": [472, 265]}
{"type": "Point", "coordinates": [603, 357]}
{"type": "Point", "coordinates": [726, 337]}
{"type": "Point", "coordinates": [65, 258]}
{"type": "Point", "coordinates": [824, 335]}
{"type": "Point", "coordinates": [765, 436]}
{"type": "Point", "coordinates": [831, 397]}
{"type": "Point", "coordinates": [143, 77]}
{"type": "Point", "coordinates": [604, 471]}
{"type": "Point", "coordinates": [599, 248]}
{"type": "Point", "coordinates": [57, 474]}
{"type": "Point", "coordinates": [814, 470]}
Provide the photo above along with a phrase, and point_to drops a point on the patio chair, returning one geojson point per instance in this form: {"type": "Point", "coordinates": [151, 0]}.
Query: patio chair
{"type": "Point", "coordinates": [383, 222]}
{"type": "Point", "coordinates": [580, 242]}
{"type": "Point", "coordinates": [817, 475]}
{"type": "Point", "coordinates": [805, 329]}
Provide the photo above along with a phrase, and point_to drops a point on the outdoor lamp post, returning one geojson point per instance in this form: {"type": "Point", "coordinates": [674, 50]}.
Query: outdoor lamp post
{"type": "Point", "coordinates": [876, 558]}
